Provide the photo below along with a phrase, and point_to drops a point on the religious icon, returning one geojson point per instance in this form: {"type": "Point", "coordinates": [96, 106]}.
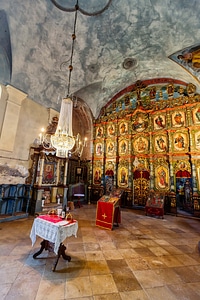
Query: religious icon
{"type": "Point", "coordinates": [159, 122]}
{"type": "Point", "coordinates": [191, 57]}
{"type": "Point", "coordinates": [48, 174]}
{"type": "Point", "coordinates": [123, 147]}
{"type": "Point", "coordinates": [170, 90]}
{"type": "Point", "coordinates": [162, 180]}
{"type": "Point", "coordinates": [109, 171]}
{"type": "Point", "coordinates": [179, 141]}
{"type": "Point", "coordinates": [140, 144]}
{"type": "Point", "coordinates": [196, 115]}
{"type": "Point", "coordinates": [178, 119]}
{"type": "Point", "coordinates": [123, 177]}
{"type": "Point", "coordinates": [188, 58]}
{"type": "Point", "coordinates": [140, 122]}
{"type": "Point", "coordinates": [152, 92]}
{"type": "Point", "coordinates": [197, 140]}
{"type": "Point", "coordinates": [111, 130]}
{"type": "Point", "coordinates": [160, 144]}
{"type": "Point", "coordinates": [99, 149]}
{"type": "Point", "coordinates": [97, 176]}
{"type": "Point", "coordinates": [110, 148]}
{"type": "Point", "coordinates": [99, 132]}
{"type": "Point", "coordinates": [182, 165]}
{"type": "Point", "coordinates": [123, 128]}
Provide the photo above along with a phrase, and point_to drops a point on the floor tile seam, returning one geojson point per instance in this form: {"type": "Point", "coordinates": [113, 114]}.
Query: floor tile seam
{"type": "Point", "coordinates": [162, 281]}
{"type": "Point", "coordinates": [166, 286]}
{"type": "Point", "coordinates": [181, 261]}
{"type": "Point", "coordinates": [93, 292]}
{"type": "Point", "coordinates": [160, 284]}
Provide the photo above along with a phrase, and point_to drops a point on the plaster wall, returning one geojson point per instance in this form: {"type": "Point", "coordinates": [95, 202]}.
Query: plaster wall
{"type": "Point", "coordinates": [20, 124]}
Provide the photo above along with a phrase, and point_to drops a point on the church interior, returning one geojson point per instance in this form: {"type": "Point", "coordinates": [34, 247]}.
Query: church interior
{"type": "Point", "coordinates": [100, 120]}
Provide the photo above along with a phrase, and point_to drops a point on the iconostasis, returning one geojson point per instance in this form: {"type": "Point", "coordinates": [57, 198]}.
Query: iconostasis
{"type": "Point", "coordinates": [144, 136]}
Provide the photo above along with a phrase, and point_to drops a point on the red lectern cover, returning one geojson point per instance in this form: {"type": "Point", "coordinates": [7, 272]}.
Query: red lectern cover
{"type": "Point", "coordinates": [108, 211]}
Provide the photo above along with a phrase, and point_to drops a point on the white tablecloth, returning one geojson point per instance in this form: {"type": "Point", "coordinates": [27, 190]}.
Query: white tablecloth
{"type": "Point", "coordinates": [53, 232]}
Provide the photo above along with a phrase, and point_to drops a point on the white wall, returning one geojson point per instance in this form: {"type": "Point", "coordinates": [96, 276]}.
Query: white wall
{"type": "Point", "coordinates": [21, 120]}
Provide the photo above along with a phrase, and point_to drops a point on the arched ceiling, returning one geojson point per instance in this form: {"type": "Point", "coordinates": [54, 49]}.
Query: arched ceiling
{"type": "Point", "coordinates": [131, 40]}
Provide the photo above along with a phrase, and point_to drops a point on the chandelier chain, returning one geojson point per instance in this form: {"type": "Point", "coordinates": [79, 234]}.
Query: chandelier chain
{"type": "Point", "coordinates": [84, 12]}
{"type": "Point", "coordinates": [72, 49]}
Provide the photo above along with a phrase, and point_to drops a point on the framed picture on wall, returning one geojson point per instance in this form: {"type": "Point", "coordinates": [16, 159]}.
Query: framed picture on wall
{"type": "Point", "coordinates": [159, 122]}
{"type": "Point", "coordinates": [79, 171]}
{"type": "Point", "coordinates": [99, 132]}
{"type": "Point", "coordinates": [178, 119]}
{"type": "Point", "coordinates": [140, 122]}
{"type": "Point", "coordinates": [197, 140]}
{"type": "Point", "coordinates": [49, 173]}
{"type": "Point", "coordinates": [160, 143]}
{"type": "Point", "coordinates": [99, 149]}
{"type": "Point", "coordinates": [196, 115]}
{"type": "Point", "coordinates": [141, 144]}
{"type": "Point", "coordinates": [110, 148]}
{"type": "Point", "coordinates": [123, 147]}
{"type": "Point", "coordinates": [180, 141]}
{"type": "Point", "coordinates": [123, 177]}
{"type": "Point", "coordinates": [162, 178]}
{"type": "Point", "coordinates": [111, 130]}
{"type": "Point", "coordinates": [123, 128]}
{"type": "Point", "coordinates": [97, 176]}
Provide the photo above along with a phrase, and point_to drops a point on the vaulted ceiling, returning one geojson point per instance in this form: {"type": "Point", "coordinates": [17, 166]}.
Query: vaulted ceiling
{"type": "Point", "coordinates": [130, 40]}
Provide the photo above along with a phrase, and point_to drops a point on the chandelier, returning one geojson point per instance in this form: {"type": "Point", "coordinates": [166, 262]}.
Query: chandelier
{"type": "Point", "coordinates": [63, 140]}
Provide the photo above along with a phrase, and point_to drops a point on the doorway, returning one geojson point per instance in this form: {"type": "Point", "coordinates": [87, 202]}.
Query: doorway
{"type": "Point", "coordinates": [184, 199]}
{"type": "Point", "coordinates": [141, 184]}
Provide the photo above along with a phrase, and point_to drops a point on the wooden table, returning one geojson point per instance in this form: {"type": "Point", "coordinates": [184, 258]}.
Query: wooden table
{"type": "Point", "coordinates": [53, 230]}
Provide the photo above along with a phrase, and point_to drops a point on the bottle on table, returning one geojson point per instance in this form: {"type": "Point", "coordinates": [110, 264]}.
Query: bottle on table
{"type": "Point", "coordinates": [64, 212]}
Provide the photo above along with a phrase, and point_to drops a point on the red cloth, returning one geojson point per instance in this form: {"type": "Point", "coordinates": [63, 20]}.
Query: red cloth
{"type": "Point", "coordinates": [51, 218]}
{"type": "Point", "coordinates": [55, 219]}
{"type": "Point", "coordinates": [141, 174]}
{"type": "Point", "coordinates": [107, 215]}
{"type": "Point", "coordinates": [183, 174]}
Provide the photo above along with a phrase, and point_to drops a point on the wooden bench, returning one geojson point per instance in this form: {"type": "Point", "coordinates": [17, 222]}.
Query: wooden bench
{"type": "Point", "coordinates": [14, 198]}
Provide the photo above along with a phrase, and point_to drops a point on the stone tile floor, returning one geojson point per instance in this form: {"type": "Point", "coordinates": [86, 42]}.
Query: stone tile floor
{"type": "Point", "coordinates": [144, 258]}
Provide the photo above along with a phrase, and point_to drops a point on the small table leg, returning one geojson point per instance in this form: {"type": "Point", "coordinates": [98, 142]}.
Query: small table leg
{"type": "Point", "coordinates": [61, 252]}
{"type": "Point", "coordinates": [44, 245]}
{"type": "Point", "coordinates": [78, 203]}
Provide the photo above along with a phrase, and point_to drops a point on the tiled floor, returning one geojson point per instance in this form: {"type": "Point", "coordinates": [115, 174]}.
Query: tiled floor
{"type": "Point", "coordinates": [144, 258]}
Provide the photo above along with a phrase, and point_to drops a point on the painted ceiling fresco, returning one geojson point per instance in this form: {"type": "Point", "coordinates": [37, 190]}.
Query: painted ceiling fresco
{"type": "Point", "coordinates": [189, 59]}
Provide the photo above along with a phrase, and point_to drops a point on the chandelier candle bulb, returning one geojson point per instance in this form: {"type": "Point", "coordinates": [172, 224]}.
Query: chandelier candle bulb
{"type": "Point", "coordinates": [40, 137]}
